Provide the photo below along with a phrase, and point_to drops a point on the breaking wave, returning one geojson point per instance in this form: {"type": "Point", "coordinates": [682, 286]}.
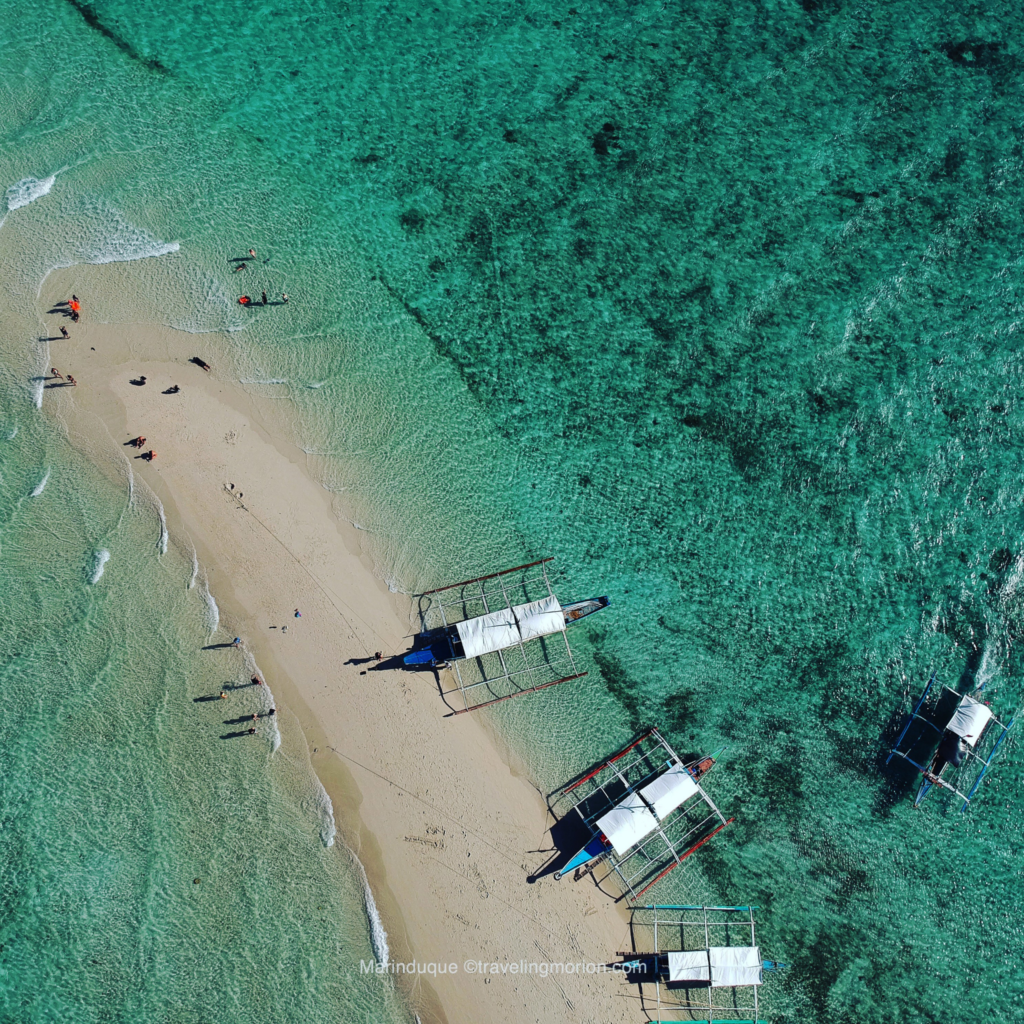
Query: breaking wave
{"type": "Point", "coordinates": [212, 612]}
{"type": "Point", "coordinates": [99, 560]}
{"type": "Point", "coordinates": [378, 936]}
{"type": "Point", "coordinates": [28, 190]}
{"type": "Point", "coordinates": [41, 486]}
{"type": "Point", "coordinates": [328, 830]}
{"type": "Point", "coordinates": [162, 543]}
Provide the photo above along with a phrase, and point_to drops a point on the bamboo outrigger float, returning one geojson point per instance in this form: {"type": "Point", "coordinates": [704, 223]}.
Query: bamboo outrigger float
{"type": "Point", "coordinates": [968, 736]}
{"type": "Point", "coordinates": [687, 956]}
{"type": "Point", "coordinates": [501, 635]}
{"type": "Point", "coordinates": [644, 813]}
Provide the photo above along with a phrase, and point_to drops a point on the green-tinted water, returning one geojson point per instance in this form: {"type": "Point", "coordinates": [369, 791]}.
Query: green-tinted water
{"type": "Point", "coordinates": [716, 303]}
{"type": "Point", "coordinates": [156, 861]}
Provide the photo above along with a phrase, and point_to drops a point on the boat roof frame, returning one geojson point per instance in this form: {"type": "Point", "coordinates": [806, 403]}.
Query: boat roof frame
{"type": "Point", "coordinates": [663, 1004]}
{"type": "Point", "coordinates": [971, 751]}
{"type": "Point", "coordinates": [633, 867]}
{"type": "Point", "coordinates": [507, 675]}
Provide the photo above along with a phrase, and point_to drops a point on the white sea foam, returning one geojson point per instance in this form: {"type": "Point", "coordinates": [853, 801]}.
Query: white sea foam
{"type": "Point", "coordinates": [28, 190]}
{"type": "Point", "coordinates": [266, 699]}
{"type": "Point", "coordinates": [325, 809]}
{"type": "Point", "coordinates": [378, 937]}
{"type": "Point", "coordinates": [37, 394]}
{"type": "Point", "coordinates": [41, 486]}
{"type": "Point", "coordinates": [162, 543]}
{"type": "Point", "coordinates": [99, 560]}
{"type": "Point", "coordinates": [195, 570]}
{"type": "Point", "coordinates": [115, 240]}
{"type": "Point", "coordinates": [14, 430]}
{"type": "Point", "coordinates": [212, 616]}
{"type": "Point", "coordinates": [316, 384]}
{"type": "Point", "coordinates": [271, 380]}
{"type": "Point", "coordinates": [124, 249]}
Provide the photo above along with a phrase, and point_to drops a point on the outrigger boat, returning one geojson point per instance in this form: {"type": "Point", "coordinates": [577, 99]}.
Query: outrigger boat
{"type": "Point", "coordinates": [488, 652]}
{"type": "Point", "coordinates": [686, 954]}
{"type": "Point", "coordinates": [645, 811]}
{"type": "Point", "coordinates": [969, 736]}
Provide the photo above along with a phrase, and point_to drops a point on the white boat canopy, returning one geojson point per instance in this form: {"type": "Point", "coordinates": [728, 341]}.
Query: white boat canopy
{"type": "Point", "coordinates": [969, 720]}
{"type": "Point", "coordinates": [670, 790]}
{"type": "Point", "coordinates": [689, 965]}
{"type": "Point", "coordinates": [498, 630]}
{"type": "Point", "coordinates": [486, 633]}
{"type": "Point", "coordinates": [627, 823]}
{"type": "Point", "coordinates": [540, 618]}
{"type": "Point", "coordinates": [735, 965]}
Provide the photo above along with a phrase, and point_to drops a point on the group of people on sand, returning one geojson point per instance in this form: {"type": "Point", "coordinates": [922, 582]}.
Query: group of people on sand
{"type": "Point", "coordinates": [75, 307]}
{"type": "Point", "coordinates": [244, 300]}
{"type": "Point", "coordinates": [138, 442]}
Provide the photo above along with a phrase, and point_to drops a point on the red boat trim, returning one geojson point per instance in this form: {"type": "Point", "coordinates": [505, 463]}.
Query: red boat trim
{"type": "Point", "coordinates": [519, 693]}
{"type": "Point", "coordinates": [604, 764]}
{"type": "Point", "coordinates": [692, 849]}
{"type": "Point", "coordinates": [489, 576]}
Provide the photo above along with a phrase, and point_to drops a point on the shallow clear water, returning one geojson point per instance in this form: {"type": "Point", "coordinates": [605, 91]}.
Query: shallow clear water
{"type": "Point", "coordinates": [156, 861]}
{"type": "Point", "coordinates": [715, 303]}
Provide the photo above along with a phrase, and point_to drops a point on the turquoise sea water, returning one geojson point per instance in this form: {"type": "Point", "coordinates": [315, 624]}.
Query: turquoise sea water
{"type": "Point", "coordinates": [715, 303]}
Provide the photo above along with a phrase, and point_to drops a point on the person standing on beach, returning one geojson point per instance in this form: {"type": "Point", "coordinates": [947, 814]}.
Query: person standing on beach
{"type": "Point", "coordinates": [72, 381]}
{"type": "Point", "coordinates": [56, 373]}
{"type": "Point", "coordinates": [64, 331]}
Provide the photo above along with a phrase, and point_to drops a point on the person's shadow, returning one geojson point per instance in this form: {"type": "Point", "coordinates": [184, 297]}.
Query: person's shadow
{"type": "Point", "coordinates": [233, 735]}
{"type": "Point", "coordinates": [360, 661]}
{"type": "Point", "coordinates": [217, 647]}
{"type": "Point", "coordinates": [139, 382]}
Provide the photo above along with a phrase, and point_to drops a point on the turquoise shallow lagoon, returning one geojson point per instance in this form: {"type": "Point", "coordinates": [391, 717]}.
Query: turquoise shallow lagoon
{"type": "Point", "coordinates": [716, 303]}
